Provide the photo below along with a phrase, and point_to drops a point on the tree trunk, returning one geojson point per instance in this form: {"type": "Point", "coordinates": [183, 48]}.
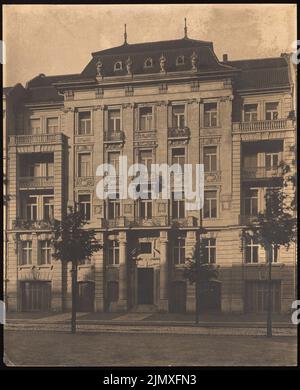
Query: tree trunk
{"type": "Point", "coordinates": [269, 317]}
{"type": "Point", "coordinates": [197, 302]}
{"type": "Point", "coordinates": [74, 296]}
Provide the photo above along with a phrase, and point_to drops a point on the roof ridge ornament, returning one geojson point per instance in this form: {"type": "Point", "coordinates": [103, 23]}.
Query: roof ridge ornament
{"type": "Point", "coordinates": [194, 61]}
{"type": "Point", "coordinates": [185, 30]}
{"type": "Point", "coordinates": [99, 66]}
{"type": "Point", "coordinates": [125, 36]}
{"type": "Point", "coordinates": [162, 63]}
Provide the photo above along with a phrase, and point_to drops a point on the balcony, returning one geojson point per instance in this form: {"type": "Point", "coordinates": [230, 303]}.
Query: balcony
{"type": "Point", "coordinates": [35, 139]}
{"type": "Point", "coordinates": [25, 224]}
{"type": "Point", "coordinates": [252, 173]}
{"type": "Point", "coordinates": [175, 133]}
{"type": "Point", "coordinates": [114, 136]}
{"type": "Point", "coordinates": [263, 125]}
{"type": "Point", "coordinates": [32, 182]}
{"type": "Point", "coordinates": [145, 135]}
{"type": "Point", "coordinates": [135, 222]}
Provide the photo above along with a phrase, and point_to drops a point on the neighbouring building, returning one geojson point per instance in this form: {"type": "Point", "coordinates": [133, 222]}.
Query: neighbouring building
{"type": "Point", "coordinates": [157, 102]}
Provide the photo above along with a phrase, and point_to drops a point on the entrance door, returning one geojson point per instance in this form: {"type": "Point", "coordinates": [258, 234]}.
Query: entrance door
{"type": "Point", "coordinates": [145, 286]}
{"type": "Point", "coordinates": [210, 297]}
{"type": "Point", "coordinates": [36, 296]}
{"type": "Point", "coordinates": [178, 297]}
{"type": "Point", "coordinates": [86, 293]}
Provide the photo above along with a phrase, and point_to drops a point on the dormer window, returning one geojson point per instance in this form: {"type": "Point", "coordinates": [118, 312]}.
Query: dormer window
{"type": "Point", "coordinates": [148, 63]}
{"type": "Point", "coordinates": [118, 66]}
{"type": "Point", "coordinates": [180, 60]}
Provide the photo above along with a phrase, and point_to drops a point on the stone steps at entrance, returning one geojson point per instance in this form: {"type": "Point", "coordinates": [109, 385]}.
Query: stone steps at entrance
{"type": "Point", "coordinates": [144, 309]}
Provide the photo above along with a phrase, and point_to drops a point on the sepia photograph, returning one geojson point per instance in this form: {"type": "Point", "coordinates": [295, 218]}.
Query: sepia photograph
{"type": "Point", "coordinates": [149, 187]}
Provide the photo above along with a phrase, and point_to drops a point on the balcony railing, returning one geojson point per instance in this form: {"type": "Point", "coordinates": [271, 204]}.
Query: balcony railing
{"type": "Point", "coordinates": [263, 125]}
{"type": "Point", "coordinates": [144, 135]}
{"type": "Point", "coordinates": [261, 173]}
{"type": "Point", "coordinates": [36, 139]}
{"type": "Point", "coordinates": [36, 182]}
{"type": "Point", "coordinates": [114, 136]}
{"type": "Point", "coordinates": [135, 222]}
{"type": "Point", "coordinates": [174, 132]}
{"type": "Point", "coordinates": [25, 224]}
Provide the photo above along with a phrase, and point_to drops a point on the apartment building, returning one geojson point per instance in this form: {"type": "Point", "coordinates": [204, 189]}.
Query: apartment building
{"type": "Point", "coordinates": [158, 102]}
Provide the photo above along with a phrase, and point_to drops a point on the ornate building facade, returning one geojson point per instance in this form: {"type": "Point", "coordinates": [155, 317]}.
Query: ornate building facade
{"type": "Point", "coordinates": [159, 102]}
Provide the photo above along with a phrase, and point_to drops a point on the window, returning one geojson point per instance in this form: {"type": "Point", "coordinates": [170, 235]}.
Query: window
{"type": "Point", "coordinates": [271, 111]}
{"type": "Point", "coordinates": [178, 205]}
{"type": "Point", "coordinates": [178, 157]}
{"type": "Point", "coordinates": [84, 122]}
{"type": "Point", "coordinates": [84, 164]}
{"type": "Point", "coordinates": [146, 247]}
{"type": "Point", "coordinates": [210, 204]}
{"type": "Point", "coordinates": [146, 119]}
{"type": "Point", "coordinates": [48, 208]}
{"type": "Point", "coordinates": [180, 60]}
{"type": "Point", "coordinates": [31, 208]}
{"type": "Point", "coordinates": [26, 252]}
{"type": "Point", "coordinates": [251, 255]}
{"type": "Point", "coordinates": [114, 120]}
{"type": "Point", "coordinates": [210, 114]}
{"type": "Point", "coordinates": [178, 116]}
{"type": "Point", "coordinates": [209, 250]}
{"type": "Point", "coordinates": [148, 63]}
{"type": "Point", "coordinates": [210, 158]}
{"type": "Point", "coordinates": [179, 251]}
{"type": "Point", "coordinates": [85, 206]}
{"type": "Point", "coordinates": [146, 159]}
{"type": "Point", "coordinates": [45, 252]}
{"type": "Point", "coordinates": [35, 126]}
{"type": "Point", "coordinates": [250, 112]}
{"type": "Point", "coordinates": [271, 160]}
{"type": "Point", "coordinates": [113, 159]}
{"type": "Point", "coordinates": [52, 125]}
{"type": "Point", "coordinates": [113, 252]}
{"type": "Point", "coordinates": [114, 207]}
{"type": "Point", "coordinates": [274, 254]}
{"type": "Point", "coordinates": [118, 66]}
{"type": "Point", "coordinates": [251, 202]}
{"type": "Point", "coordinates": [146, 208]}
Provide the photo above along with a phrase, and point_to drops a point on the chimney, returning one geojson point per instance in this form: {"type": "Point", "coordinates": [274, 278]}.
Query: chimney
{"type": "Point", "coordinates": [225, 57]}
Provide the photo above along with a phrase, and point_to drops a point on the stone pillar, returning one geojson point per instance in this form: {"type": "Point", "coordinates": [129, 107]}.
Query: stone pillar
{"type": "Point", "coordinates": [122, 302]}
{"type": "Point", "coordinates": [163, 275]}
{"type": "Point", "coordinates": [190, 243]}
{"type": "Point", "coordinates": [99, 276]}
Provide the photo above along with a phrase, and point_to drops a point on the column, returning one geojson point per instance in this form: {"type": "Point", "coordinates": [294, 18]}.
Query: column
{"type": "Point", "coordinates": [163, 275]}
{"type": "Point", "coordinates": [122, 302]}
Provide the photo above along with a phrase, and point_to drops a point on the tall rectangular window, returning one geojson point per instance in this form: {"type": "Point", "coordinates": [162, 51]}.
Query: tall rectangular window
{"type": "Point", "coordinates": [31, 208]}
{"type": "Point", "coordinates": [271, 160]}
{"type": "Point", "coordinates": [35, 126]}
{"type": "Point", "coordinates": [85, 206]}
{"type": "Point", "coordinates": [272, 111]}
{"type": "Point", "coordinates": [114, 207]}
{"type": "Point", "coordinates": [178, 157]}
{"type": "Point", "coordinates": [48, 207]}
{"type": "Point", "coordinates": [146, 208]}
{"type": "Point", "coordinates": [45, 252]}
{"type": "Point", "coordinates": [210, 158]}
{"type": "Point", "coordinates": [84, 125]}
{"type": "Point", "coordinates": [26, 253]}
{"type": "Point", "coordinates": [210, 204]}
{"type": "Point", "coordinates": [145, 158]}
{"type": "Point", "coordinates": [251, 202]}
{"type": "Point", "coordinates": [250, 112]}
{"type": "Point", "coordinates": [209, 250]}
{"type": "Point", "coordinates": [52, 125]}
{"type": "Point", "coordinates": [178, 206]}
{"type": "Point", "coordinates": [210, 114]}
{"type": "Point", "coordinates": [251, 253]}
{"type": "Point", "coordinates": [113, 252]}
{"type": "Point", "coordinates": [113, 159]}
{"type": "Point", "coordinates": [178, 116]}
{"type": "Point", "coordinates": [84, 164]}
{"type": "Point", "coordinates": [146, 119]}
{"type": "Point", "coordinates": [179, 251]}
{"type": "Point", "coordinates": [114, 120]}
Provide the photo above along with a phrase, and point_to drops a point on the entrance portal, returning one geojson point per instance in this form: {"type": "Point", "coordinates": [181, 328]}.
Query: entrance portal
{"type": "Point", "coordinates": [145, 286]}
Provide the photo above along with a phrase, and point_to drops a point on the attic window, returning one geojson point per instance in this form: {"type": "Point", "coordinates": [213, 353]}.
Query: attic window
{"type": "Point", "coordinates": [180, 60]}
{"type": "Point", "coordinates": [118, 66]}
{"type": "Point", "coordinates": [148, 63]}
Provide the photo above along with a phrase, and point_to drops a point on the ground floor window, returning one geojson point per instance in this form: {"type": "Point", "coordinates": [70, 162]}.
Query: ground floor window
{"type": "Point", "coordinates": [256, 296]}
{"type": "Point", "coordinates": [35, 296]}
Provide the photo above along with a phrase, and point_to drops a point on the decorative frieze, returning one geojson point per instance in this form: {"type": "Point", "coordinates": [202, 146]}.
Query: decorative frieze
{"type": "Point", "coordinates": [212, 177]}
{"type": "Point", "coordinates": [88, 181]}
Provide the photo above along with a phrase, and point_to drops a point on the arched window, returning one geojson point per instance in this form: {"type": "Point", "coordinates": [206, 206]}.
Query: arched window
{"type": "Point", "coordinates": [180, 60]}
{"type": "Point", "coordinates": [118, 66]}
{"type": "Point", "coordinates": [148, 63]}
